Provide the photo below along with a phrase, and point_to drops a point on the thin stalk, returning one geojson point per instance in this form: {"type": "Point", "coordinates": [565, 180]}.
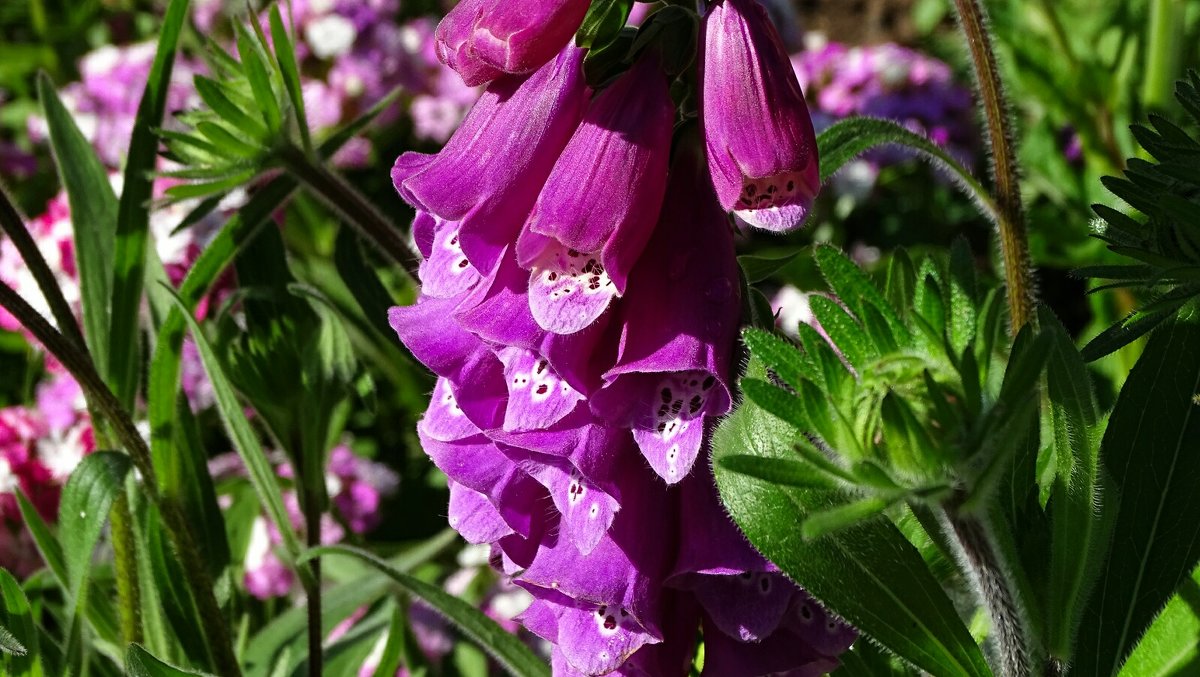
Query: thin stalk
{"type": "Point", "coordinates": [1164, 51]}
{"type": "Point", "coordinates": [1014, 240]}
{"type": "Point", "coordinates": [351, 205]}
{"type": "Point", "coordinates": [14, 226]}
{"type": "Point", "coordinates": [312, 532]}
{"type": "Point", "coordinates": [125, 562]}
{"type": "Point", "coordinates": [996, 591]}
{"type": "Point", "coordinates": [102, 400]}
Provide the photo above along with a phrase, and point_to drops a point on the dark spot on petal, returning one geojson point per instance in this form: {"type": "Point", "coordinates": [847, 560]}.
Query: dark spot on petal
{"type": "Point", "coordinates": [543, 389]}
{"type": "Point", "coordinates": [541, 366]}
{"type": "Point", "coordinates": [791, 186]}
{"type": "Point", "coordinates": [709, 382]}
{"type": "Point", "coordinates": [610, 623]}
{"type": "Point", "coordinates": [666, 394]}
{"type": "Point", "coordinates": [751, 190]}
{"type": "Point", "coordinates": [805, 612]}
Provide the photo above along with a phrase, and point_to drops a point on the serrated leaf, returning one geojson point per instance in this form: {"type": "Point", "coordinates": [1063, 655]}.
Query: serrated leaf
{"type": "Point", "coordinates": [213, 96]}
{"type": "Point", "coordinates": [779, 402]}
{"type": "Point", "coordinates": [780, 471]}
{"type": "Point", "coordinates": [868, 574]}
{"type": "Point", "coordinates": [505, 648]}
{"type": "Point", "coordinates": [844, 332]}
{"type": "Point", "coordinates": [139, 663]}
{"type": "Point", "coordinates": [1148, 450]}
{"type": "Point", "coordinates": [816, 347]}
{"type": "Point", "coordinates": [93, 216]}
{"type": "Point", "coordinates": [781, 357]}
{"type": "Point", "coordinates": [760, 268]}
{"type": "Point", "coordinates": [853, 288]}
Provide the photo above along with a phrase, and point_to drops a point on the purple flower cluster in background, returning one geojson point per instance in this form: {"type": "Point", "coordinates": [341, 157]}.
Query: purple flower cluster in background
{"type": "Point", "coordinates": [356, 487]}
{"type": "Point", "coordinates": [888, 81]}
{"type": "Point", "coordinates": [580, 304]}
{"type": "Point", "coordinates": [39, 447]}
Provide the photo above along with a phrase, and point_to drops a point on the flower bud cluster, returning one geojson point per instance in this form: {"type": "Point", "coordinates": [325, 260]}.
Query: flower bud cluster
{"type": "Point", "coordinates": [580, 306]}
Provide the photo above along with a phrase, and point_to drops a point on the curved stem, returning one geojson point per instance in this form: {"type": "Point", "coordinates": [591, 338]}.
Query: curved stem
{"type": "Point", "coordinates": [102, 400]}
{"type": "Point", "coordinates": [14, 226]}
{"type": "Point", "coordinates": [350, 204]}
{"type": "Point", "coordinates": [1014, 240]}
{"type": "Point", "coordinates": [996, 591]}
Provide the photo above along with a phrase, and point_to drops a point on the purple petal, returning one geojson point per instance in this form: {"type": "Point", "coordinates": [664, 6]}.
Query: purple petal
{"type": "Point", "coordinates": [587, 511]}
{"type": "Point", "coordinates": [671, 373]}
{"type": "Point", "coordinates": [820, 629]}
{"type": "Point", "coordinates": [537, 397]}
{"type": "Point", "coordinates": [444, 420]}
{"type": "Point", "coordinates": [446, 272]}
{"type": "Point", "coordinates": [488, 175]}
{"type": "Point", "coordinates": [782, 652]}
{"type": "Point", "coordinates": [453, 46]}
{"type": "Point", "coordinates": [582, 242]}
{"type": "Point", "coordinates": [597, 640]}
{"type": "Point", "coordinates": [474, 517]}
{"type": "Point", "coordinates": [499, 312]}
{"type": "Point", "coordinates": [518, 36]}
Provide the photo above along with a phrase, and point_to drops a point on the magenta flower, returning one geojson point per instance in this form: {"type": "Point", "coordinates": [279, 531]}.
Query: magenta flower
{"type": "Point", "coordinates": [489, 174]}
{"type": "Point", "coordinates": [485, 39]}
{"type": "Point", "coordinates": [599, 205]}
{"type": "Point", "coordinates": [762, 150]}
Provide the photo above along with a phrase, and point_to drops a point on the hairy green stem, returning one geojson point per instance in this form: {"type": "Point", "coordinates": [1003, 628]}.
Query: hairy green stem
{"type": "Point", "coordinates": [125, 562]}
{"type": "Point", "coordinates": [1014, 240]}
{"type": "Point", "coordinates": [101, 399]}
{"type": "Point", "coordinates": [14, 226]}
{"type": "Point", "coordinates": [996, 591]}
{"type": "Point", "coordinates": [312, 529]}
{"type": "Point", "coordinates": [350, 204]}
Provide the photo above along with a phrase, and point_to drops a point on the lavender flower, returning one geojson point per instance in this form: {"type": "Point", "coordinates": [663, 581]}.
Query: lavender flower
{"type": "Point", "coordinates": [762, 150]}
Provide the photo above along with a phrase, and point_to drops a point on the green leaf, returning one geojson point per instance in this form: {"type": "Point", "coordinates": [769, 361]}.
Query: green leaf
{"type": "Point", "coordinates": [1076, 499]}
{"type": "Point", "coordinates": [211, 93]}
{"type": "Point", "coordinates": [779, 402]}
{"type": "Point", "coordinates": [849, 138]}
{"type": "Point", "coordinates": [254, 66]}
{"type": "Point", "coordinates": [93, 216]}
{"type": "Point", "coordinates": [133, 217]}
{"type": "Point", "coordinates": [1149, 450]}
{"type": "Point", "coordinates": [843, 331]}
{"type": "Point", "coordinates": [780, 471]}
{"type": "Point", "coordinates": [86, 501]}
{"type": "Point", "coordinates": [825, 522]}
{"type": "Point", "coordinates": [512, 654]}
{"type": "Point", "coordinates": [604, 19]}
{"type": "Point", "coordinates": [1171, 647]}
{"type": "Point", "coordinates": [901, 281]}
{"type": "Point", "coordinates": [853, 288]}
{"type": "Point", "coordinates": [18, 631]}
{"type": "Point", "coordinates": [285, 55]}
{"type": "Point", "coordinates": [337, 603]}
{"type": "Point", "coordinates": [760, 268]}
{"type": "Point", "coordinates": [139, 663]}
{"type": "Point", "coordinates": [781, 357]}
{"type": "Point", "coordinates": [245, 442]}
{"type": "Point", "coordinates": [868, 574]}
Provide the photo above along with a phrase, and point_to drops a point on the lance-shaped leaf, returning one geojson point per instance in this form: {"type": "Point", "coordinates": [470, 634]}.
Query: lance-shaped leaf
{"type": "Point", "coordinates": [1171, 646]}
{"type": "Point", "coordinates": [869, 573]}
{"type": "Point", "coordinates": [86, 500]}
{"type": "Point", "coordinates": [1149, 449]}
{"type": "Point", "coordinates": [139, 663]}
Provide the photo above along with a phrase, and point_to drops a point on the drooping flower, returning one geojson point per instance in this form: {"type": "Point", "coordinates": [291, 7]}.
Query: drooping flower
{"type": "Point", "coordinates": [762, 150]}
{"type": "Point", "coordinates": [485, 39]}
{"type": "Point", "coordinates": [489, 174]}
{"type": "Point", "coordinates": [600, 202]}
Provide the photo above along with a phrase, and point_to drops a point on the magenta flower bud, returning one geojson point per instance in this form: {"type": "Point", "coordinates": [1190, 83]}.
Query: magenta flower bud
{"type": "Point", "coordinates": [600, 202]}
{"type": "Point", "coordinates": [762, 150]}
{"type": "Point", "coordinates": [453, 42]}
{"type": "Point", "coordinates": [518, 36]}
{"type": "Point", "coordinates": [485, 39]}
{"type": "Point", "coordinates": [488, 176]}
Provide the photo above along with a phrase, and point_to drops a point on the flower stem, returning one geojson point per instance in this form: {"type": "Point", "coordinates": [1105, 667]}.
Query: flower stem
{"type": "Point", "coordinates": [125, 562]}
{"type": "Point", "coordinates": [1164, 49]}
{"type": "Point", "coordinates": [14, 226]}
{"type": "Point", "coordinates": [101, 399]}
{"type": "Point", "coordinates": [996, 591]}
{"type": "Point", "coordinates": [312, 530]}
{"type": "Point", "coordinates": [350, 204]}
{"type": "Point", "coordinates": [1014, 240]}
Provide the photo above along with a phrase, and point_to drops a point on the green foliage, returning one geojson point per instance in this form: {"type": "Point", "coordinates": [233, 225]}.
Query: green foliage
{"type": "Point", "coordinates": [512, 655]}
{"type": "Point", "coordinates": [140, 663]}
{"type": "Point", "coordinates": [86, 500]}
{"type": "Point", "coordinates": [1156, 538]}
{"type": "Point", "coordinates": [1165, 247]}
